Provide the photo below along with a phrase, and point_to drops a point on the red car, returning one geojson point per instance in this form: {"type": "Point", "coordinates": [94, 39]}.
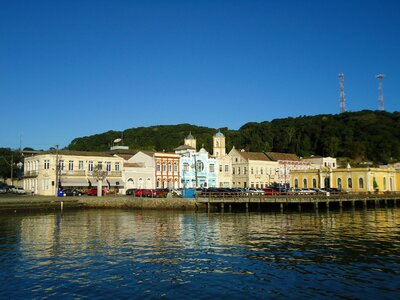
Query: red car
{"type": "Point", "coordinates": [93, 192]}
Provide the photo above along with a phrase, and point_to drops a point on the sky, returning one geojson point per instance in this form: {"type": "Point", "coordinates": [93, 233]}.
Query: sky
{"type": "Point", "coordinates": [76, 68]}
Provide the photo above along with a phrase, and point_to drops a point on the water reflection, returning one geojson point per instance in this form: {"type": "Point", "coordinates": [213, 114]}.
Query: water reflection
{"type": "Point", "coordinates": [99, 253]}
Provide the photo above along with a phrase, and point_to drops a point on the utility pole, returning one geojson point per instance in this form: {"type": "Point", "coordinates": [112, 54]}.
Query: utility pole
{"type": "Point", "coordinates": [342, 100]}
{"type": "Point", "coordinates": [57, 169]}
{"type": "Point", "coordinates": [381, 101]}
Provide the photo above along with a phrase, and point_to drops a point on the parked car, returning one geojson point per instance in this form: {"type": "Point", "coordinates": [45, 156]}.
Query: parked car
{"type": "Point", "coordinates": [130, 192]}
{"type": "Point", "coordinates": [270, 191]}
{"type": "Point", "coordinates": [3, 190]}
{"type": "Point", "coordinates": [72, 192]}
{"type": "Point", "coordinates": [93, 192]}
{"type": "Point", "coordinates": [19, 190]}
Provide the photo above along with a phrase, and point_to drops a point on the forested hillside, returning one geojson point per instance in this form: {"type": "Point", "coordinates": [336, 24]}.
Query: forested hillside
{"type": "Point", "coordinates": [364, 135]}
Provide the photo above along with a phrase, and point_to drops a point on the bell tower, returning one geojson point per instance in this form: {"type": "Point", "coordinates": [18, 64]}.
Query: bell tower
{"type": "Point", "coordinates": [190, 141]}
{"type": "Point", "coordinates": [219, 144]}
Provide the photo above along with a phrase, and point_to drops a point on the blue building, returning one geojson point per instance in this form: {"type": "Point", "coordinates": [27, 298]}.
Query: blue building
{"type": "Point", "coordinates": [198, 169]}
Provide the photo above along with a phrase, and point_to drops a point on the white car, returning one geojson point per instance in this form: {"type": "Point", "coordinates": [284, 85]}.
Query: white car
{"type": "Point", "coordinates": [19, 190]}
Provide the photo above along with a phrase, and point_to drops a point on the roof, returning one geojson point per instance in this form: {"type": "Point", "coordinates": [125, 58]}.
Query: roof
{"type": "Point", "coordinates": [189, 136]}
{"type": "Point", "coordinates": [254, 156]}
{"type": "Point", "coordinates": [184, 147]}
{"type": "Point", "coordinates": [282, 156]}
{"type": "Point", "coordinates": [219, 133]}
{"type": "Point", "coordinates": [74, 153]}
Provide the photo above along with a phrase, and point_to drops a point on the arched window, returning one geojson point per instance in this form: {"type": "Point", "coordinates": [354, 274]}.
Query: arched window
{"type": "Point", "coordinates": [384, 183]}
{"type": "Point", "coordinates": [360, 183]}
{"type": "Point", "coordinates": [305, 183]}
{"type": "Point", "coordinates": [349, 183]}
{"type": "Point", "coordinates": [339, 183]}
{"type": "Point", "coordinates": [158, 183]}
{"type": "Point", "coordinates": [296, 183]}
{"type": "Point", "coordinates": [314, 183]}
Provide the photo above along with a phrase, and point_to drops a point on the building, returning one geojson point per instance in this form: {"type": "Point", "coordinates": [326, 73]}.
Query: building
{"type": "Point", "coordinates": [252, 169]}
{"type": "Point", "coordinates": [198, 169]}
{"type": "Point", "coordinates": [350, 179]}
{"type": "Point", "coordinates": [167, 171]}
{"type": "Point", "coordinates": [320, 161]}
{"type": "Point", "coordinates": [76, 169]}
{"type": "Point", "coordinates": [287, 162]}
{"type": "Point", "coordinates": [139, 171]}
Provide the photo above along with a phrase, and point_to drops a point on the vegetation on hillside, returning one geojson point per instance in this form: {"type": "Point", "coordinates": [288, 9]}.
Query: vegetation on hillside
{"type": "Point", "coordinates": [360, 136]}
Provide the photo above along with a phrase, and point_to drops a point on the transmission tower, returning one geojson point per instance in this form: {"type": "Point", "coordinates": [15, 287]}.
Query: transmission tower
{"type": "Point", "coordinates": [381, 100]}
{"type": "Point", "coordinates": [342, 100]}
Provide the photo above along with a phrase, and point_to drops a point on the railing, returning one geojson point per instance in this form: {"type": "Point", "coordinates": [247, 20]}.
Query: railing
{"type": "Point", "coordinates": [114, 174]}
{"type": "Point", "coordinates": [31, 173]}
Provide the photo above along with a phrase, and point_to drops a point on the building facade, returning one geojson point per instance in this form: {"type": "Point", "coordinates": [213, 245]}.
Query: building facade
{"type": "Point", "coordinates": [252, 169]}
{"type": "Point", "coordinates": [76, 169]}
{"type": "Point", "coordinates": [350, 179]}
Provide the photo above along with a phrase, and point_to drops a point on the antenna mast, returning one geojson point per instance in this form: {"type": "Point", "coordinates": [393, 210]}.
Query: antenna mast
{"type": "Point", "coordinates": [342, 100]}
{"type": "Point", "coordinates": [381, 100]}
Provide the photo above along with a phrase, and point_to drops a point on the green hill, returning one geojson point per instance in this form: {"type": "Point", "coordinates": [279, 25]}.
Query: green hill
{"type": "Point", "coordinates": [360, 136]}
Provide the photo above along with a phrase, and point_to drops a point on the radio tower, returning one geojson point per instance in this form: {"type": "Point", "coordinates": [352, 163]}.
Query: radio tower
{"type": "Point", "coordinates": [342, 100]}
{"type": "Point", "coordinates": [381, 100]}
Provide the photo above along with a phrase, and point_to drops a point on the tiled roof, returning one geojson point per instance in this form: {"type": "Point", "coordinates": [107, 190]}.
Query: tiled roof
{"type": "Point", "coordinates": [282, 156]}
{"type": "Point", "coordinates": [254, 156]}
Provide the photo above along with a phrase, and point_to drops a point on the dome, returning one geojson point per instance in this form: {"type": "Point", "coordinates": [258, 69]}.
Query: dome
{"type": "Point", "coordinates": [219, 134]}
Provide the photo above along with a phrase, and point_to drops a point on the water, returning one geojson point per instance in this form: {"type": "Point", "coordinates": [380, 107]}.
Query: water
{"type": "Point", "coordinates": [147, 254]}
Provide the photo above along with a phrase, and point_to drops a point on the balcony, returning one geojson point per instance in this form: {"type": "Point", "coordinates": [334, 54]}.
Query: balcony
{"type": "Point", "coordinates": [72, 172]}
{"type": "Point", "coordinates": [114, 174]}
{"type": "Point", "coordinates": [28, 174]}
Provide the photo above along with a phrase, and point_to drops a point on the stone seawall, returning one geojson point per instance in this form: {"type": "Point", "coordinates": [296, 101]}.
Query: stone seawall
{"type": "Point", "coordinates": [138, 203]}
{"type": "Point", "coordinates": [25, 202]}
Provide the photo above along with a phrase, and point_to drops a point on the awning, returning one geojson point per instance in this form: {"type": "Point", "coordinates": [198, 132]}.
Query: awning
{"type": "Point", "coordinates": [74, 182]}
{"type": "Point", "coordinates": [115, 182]}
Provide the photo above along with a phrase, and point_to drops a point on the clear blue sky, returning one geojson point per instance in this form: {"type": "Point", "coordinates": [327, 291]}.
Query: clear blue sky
{"type": "Point", "coordinates": [77, 68]}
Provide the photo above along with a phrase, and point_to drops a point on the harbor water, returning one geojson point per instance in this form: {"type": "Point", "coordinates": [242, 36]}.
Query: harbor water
{"type": "Point", "coordinates": [139, 254]}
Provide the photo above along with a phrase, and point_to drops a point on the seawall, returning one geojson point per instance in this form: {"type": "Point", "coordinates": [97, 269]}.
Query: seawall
{"type": "Point", "coordinates": [24, 202]}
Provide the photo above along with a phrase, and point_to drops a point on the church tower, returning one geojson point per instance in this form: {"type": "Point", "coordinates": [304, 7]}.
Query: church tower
{"type": "Point", "coordinates": [219, 144]}
{"type": "Point", "coordinates": [190, 141]}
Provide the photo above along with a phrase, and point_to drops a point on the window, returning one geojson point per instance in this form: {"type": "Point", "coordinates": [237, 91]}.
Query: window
{"type": "Point", "coordinates": [220, 168]}
{"type": "Point", "coordinates": [339, 183]}
{"type": "Point", "coordinates": [200, 166]}
{"type": "Point", "coordinates": [164, 167]}
{"type": "Point", "coordinates": [211, 168]}
{"type": "Point", "coordinates": [117, 166]}
{"type": "Point", "coordinates": [90, 166]}
{"type": "Point", "coordinates": [158, 167]}
{"type": "Point", "coordinates": [238, 170]}
{"type": "Point", "coordinates": [305, 183]}
{"type": "Point", "coordinates": [349, 183]}
{"type": "Point", "coordinates": [46, 184]}
{"type": "Point", "coordinates": [384, 183]}
{"type": "Point", "coordinates": [251, 170]}
{"type": "Point", "coordinates": [314, 183]}
{"type": "Point", "coordinates": [99, 165]}
{"type": "Point", "coordinates": [175, 167]}
{"type": "Point", "coordinates": [46, 165]}
{"type": "Point", "coordinates": [257, 170]}
{"type": "Point", "coordinates": [244, 170]}
{"type": "Point", "coordinates": [108, 166]}
{"type": "Point", "coordinates": [296, 183]}
{"type": "Point", "coordinates": [61, 165]}
{"type": "Point", "coordinates": [261, 170]}
{"type": "Point", "coordinates": [185, 167]}
{"type": "Point", "coordinates": [233, 171]}
{"type": "Point", "coordinates": [169, 167]}
{"type": "Point", "coordinates": [80, 165]}
{"type": "Point", "coordinates": [226, 168]}
{"type": "Point", "coordinates": [71, 165]}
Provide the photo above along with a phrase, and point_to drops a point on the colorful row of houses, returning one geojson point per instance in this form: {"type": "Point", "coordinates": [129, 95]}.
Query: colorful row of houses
{"type": "Point", "coordinates": [187, 167]}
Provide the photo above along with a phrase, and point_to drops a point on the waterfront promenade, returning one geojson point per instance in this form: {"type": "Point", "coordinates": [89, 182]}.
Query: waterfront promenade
{"type": "Point", "coordinates": [210, 202]}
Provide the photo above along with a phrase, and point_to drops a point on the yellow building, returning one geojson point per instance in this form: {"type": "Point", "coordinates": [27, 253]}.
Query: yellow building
{"type": "Point", "coordinates": [349, 179]}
